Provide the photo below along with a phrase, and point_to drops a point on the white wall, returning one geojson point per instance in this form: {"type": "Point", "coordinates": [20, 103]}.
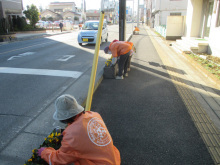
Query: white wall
{"type": "Point", "coordinates": [166, 7]}
{"type": "Point", "coordinates": [193, 19]}
{"type": "Point", "coordinates": [214, 36]}
{"type": "Point", "coordinates": [155, 5]}
{"type": "Point", "coordinates": [175, 26]}
{"type": "Point", "coordinates": [165, 14]}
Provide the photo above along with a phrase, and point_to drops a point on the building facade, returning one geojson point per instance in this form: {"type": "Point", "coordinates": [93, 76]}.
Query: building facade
{"type": "Point", "coordinates": [162, 8]}
{"type": "Point", "coordinates": [196, 22]}
{"type": "Point", "coordinates": [62, 11]}
{"type": "Point", "coordinates": [9, 9]}
{"type": "Point", "coordinates": [110, 8]}
{"type": "Point", "coordinates": [62, 7]}
{"type": "Point", "coordinates": [203, 21]}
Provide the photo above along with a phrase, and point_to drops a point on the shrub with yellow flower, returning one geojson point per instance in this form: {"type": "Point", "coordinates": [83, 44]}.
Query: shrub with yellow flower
{"type": "Point", "coordinates": [108, 62]}
{"type": "Point", "coordinates": [53, 140]}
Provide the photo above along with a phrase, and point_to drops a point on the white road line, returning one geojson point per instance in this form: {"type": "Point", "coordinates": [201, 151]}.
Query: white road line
{"type": "Point", "coordinates": [45, 72]}
{"type": "Point", "coordinates": [66, 57]}
{"type": "Point", "coordinates": [26, 54]}
{"type": "Point", "coordinates": [21, 55]}
{"type": "Point", "coordinates": [13, 57]}
{"type": "Point", "coordinates": [27, 47]}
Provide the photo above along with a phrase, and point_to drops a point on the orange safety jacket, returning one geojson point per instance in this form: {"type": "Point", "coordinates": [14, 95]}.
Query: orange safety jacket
{"type": "Point", "coordinates": [85, 142]}
{"type": "Point", "coordinates": [119, 48]}
{"type": "Point", "coordinates": [136, 29]}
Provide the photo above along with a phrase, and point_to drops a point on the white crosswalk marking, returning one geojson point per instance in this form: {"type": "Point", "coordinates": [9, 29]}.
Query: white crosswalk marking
{"type": "Point", "coordinates": [45, 72]}
{"type": "Point", "coordinates": [66, 57]}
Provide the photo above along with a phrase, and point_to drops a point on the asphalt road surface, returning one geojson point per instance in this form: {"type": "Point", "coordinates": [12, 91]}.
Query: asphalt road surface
{"type": "Point", "coordinates": [34, 72]}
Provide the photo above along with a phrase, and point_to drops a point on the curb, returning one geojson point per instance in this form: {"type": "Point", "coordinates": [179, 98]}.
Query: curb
{"type": "Point", "coordinates": [32, 37]}
{"type": "Point", "coordinates": [99, 80]}
{"type": "Point", "coordinates": [207, 74]}
{"type": "Point", "coordinates": [40, 36]}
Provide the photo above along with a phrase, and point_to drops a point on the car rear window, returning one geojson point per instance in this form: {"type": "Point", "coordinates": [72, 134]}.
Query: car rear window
{"type": "Point", "coordinates": [91, 26]}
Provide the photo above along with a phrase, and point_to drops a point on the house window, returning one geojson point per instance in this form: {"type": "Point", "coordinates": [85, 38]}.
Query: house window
{"type": "Point", "coordinates": [218, 16]}
{"type": "Point", "coordinates": [58, 10]}
{"type": "Point", "coordinates": [175, 14]}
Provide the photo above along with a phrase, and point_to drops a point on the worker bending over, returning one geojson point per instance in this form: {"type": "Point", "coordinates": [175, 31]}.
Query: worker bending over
{"type": "Point", "coordinates": [86, 140]}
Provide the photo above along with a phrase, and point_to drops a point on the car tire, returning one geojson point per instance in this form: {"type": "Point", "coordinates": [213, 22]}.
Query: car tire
{"type": "Point", "coordinates": [101, 41]}
{"type": "Point", "coordinates": [106, 40]}
{"type": "Point", "coordinates": [80, 44]}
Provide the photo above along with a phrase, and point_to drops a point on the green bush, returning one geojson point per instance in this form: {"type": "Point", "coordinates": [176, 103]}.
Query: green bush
{"type": "Point", "coordinates": [29, 27]}
{"type": "Point", "coordinates": [4, 26]}
{"type": "Point", "coordinates": [21, 23]}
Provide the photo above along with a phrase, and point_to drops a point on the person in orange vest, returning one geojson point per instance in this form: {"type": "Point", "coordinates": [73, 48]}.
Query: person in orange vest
{"type": "Point", "coordinates": [120, 49]}
{"type": "Point", "coordinates": [80, 26]}
{"type": "Point", "coordinates": [136, 30]}
{"type": "Point", "coordinates": [86, 140]}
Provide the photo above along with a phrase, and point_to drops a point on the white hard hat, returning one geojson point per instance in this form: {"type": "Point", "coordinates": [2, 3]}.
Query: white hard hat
{"type": "Point", "coordinates": [66, 107]}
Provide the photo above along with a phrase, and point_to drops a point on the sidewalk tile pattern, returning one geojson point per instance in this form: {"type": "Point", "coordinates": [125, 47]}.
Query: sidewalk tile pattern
{"type": "Point", "coordinates": [208, 131]}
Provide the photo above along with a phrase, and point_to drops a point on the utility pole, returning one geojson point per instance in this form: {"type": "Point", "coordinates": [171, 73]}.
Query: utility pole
{"type": "Point", "coordinates": [133, 18]}
{"type": "Point", "coordinates": [122, 20]}
{"type": "Point", "coordinates": [138, 20]}
{"type": "Point", "coordinates": [83, 14]}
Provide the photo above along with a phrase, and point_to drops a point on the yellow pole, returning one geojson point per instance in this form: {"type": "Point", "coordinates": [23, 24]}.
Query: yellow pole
{"type": "Point", "coordinates": [95, 63]}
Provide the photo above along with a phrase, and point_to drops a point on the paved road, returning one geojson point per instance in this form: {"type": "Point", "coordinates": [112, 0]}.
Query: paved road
{"type": "Point", "coordinates": [33, 73]}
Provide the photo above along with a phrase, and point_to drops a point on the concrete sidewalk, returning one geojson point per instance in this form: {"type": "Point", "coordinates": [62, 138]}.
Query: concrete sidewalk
{"type": "Point", "coordinates": [25, 36]}
{"type": "Point", "coordinates": [165, 112]}
{"type": "Point", "coordinates": [21, 36]}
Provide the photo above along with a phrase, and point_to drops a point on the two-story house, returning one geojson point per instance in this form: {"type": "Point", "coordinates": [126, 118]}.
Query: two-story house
{"type": "Point", "coordinates": [9, 9]}
{"type": "Point", "coordinates": [61, 11]}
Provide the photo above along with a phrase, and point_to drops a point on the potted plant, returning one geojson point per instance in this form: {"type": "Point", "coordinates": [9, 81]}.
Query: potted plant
{"type": "Point", "coordinates": [110, 71]}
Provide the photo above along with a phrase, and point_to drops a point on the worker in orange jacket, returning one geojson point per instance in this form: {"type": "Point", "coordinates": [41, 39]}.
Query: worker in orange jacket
{"type": "Point", "coordinates": [136, 28]}
{"type": "Point", "coordinates": [120, 49]}
{"type": "Point", "coordinates": [86, 140]}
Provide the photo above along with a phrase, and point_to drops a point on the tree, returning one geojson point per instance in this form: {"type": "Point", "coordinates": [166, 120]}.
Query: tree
{"type": "Point", "coordinates": [21, 23]}
{"type": "Point", "coordinates": [32, 14]}
{"type": "Point", "coordinates": [50, 19]}
{"type": "Point", "coordinates": [43, 19]}
{"type": "Point", "coordinates": [76, 18]}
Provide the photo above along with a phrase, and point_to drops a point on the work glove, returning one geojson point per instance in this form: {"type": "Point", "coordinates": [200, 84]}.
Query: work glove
{"type": "Point", "coordinates": [114, 60]}
{"type": "Point", "coordinates": [40, 150]}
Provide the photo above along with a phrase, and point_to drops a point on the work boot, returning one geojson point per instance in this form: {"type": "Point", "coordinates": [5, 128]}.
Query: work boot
{"type": "Point", "coordinates": [119, 77]}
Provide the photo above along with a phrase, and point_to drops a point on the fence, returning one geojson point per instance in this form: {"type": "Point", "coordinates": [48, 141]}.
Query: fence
{"type": "Point", "coordinates": [161, 30]}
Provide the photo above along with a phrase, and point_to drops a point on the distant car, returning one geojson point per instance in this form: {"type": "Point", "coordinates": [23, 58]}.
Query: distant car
{"type": "Point", "coordinates": [75, 26]}
{"type": "Point", "coordinates": [89, 31]}
{"type": "Point", "coordinates": [40, 24]}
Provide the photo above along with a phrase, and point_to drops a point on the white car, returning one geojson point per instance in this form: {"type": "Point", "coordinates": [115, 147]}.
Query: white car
{"type": "Point", "coordinates": [89, 31]}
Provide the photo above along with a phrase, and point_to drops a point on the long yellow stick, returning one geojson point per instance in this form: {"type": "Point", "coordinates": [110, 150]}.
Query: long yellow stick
{"type": "Point", "coordinates": [95, 63]}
